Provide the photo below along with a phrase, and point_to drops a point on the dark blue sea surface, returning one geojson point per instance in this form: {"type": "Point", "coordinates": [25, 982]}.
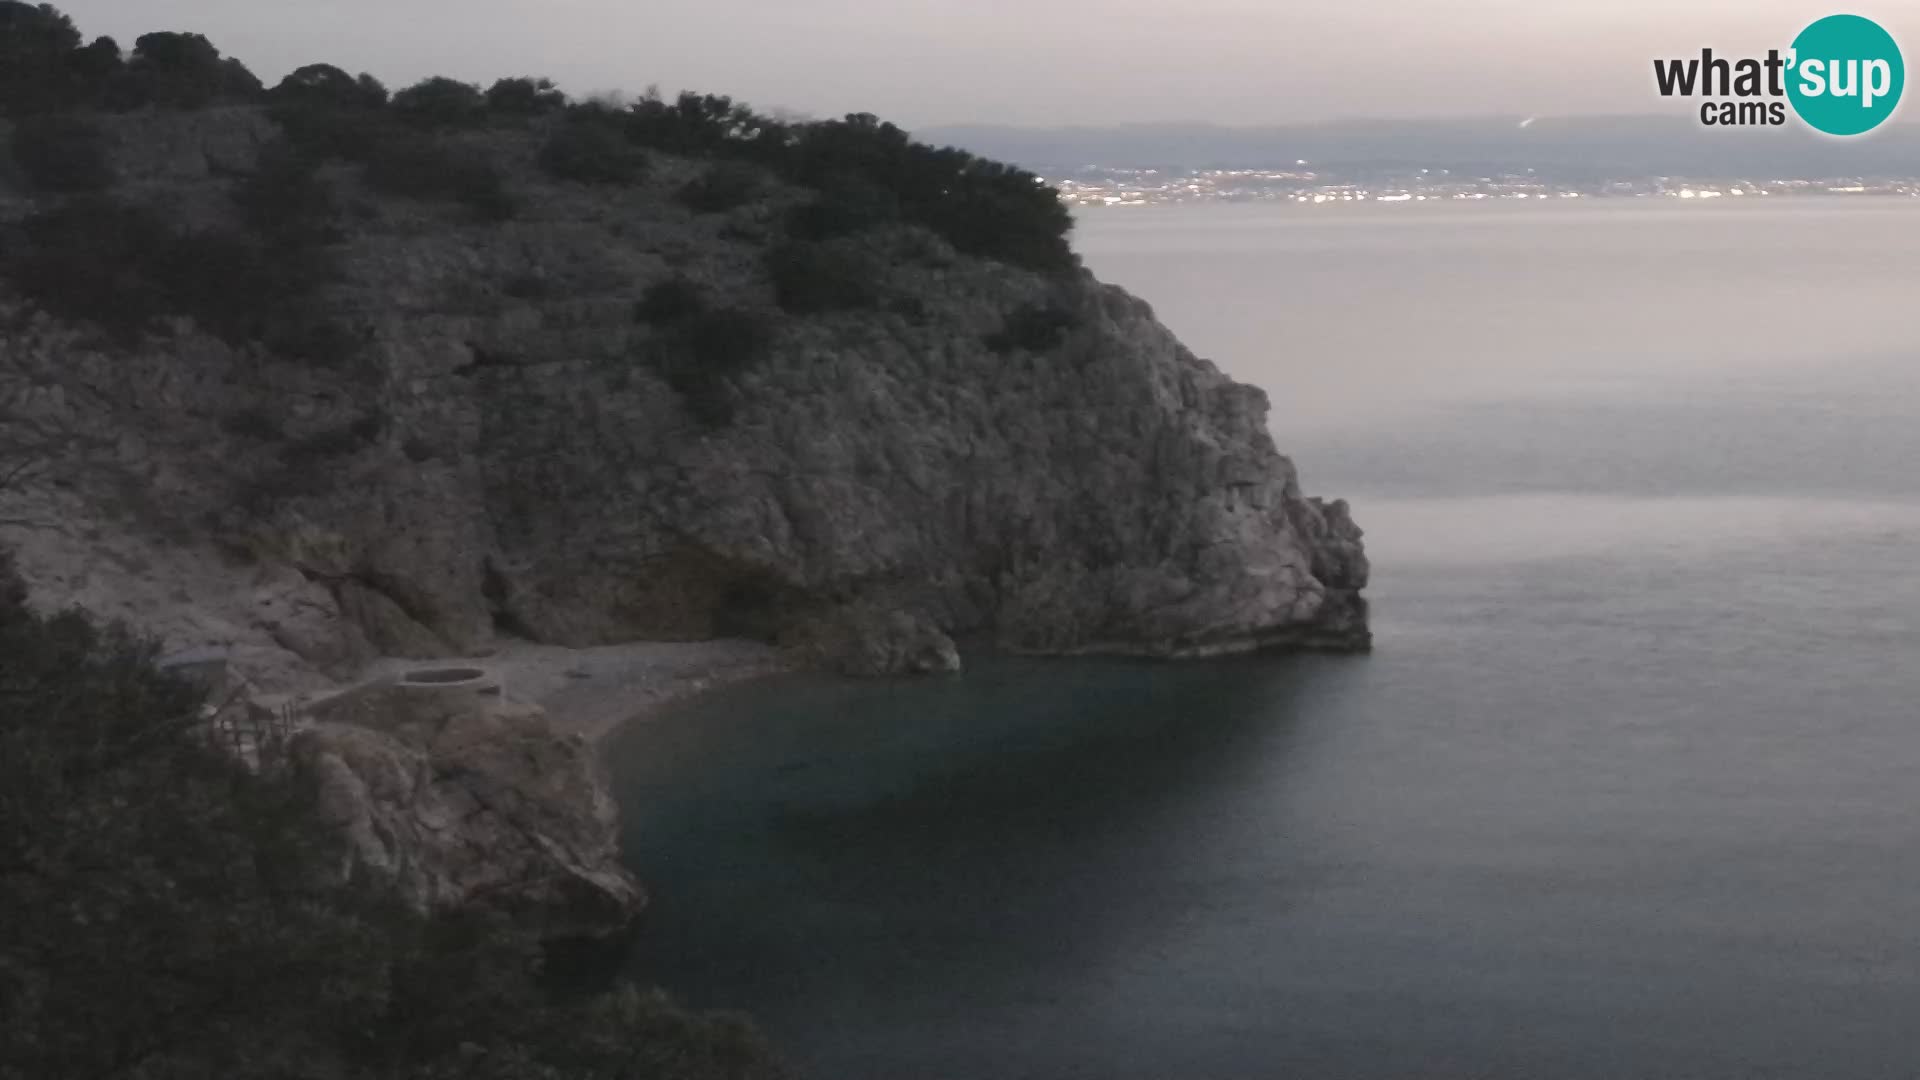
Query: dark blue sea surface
{"type": "Point", "coordinates": [1630, 787]}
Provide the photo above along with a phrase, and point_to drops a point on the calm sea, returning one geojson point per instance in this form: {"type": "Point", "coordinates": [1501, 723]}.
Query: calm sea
{"type": "Point", "coordinates": [1630, 789]}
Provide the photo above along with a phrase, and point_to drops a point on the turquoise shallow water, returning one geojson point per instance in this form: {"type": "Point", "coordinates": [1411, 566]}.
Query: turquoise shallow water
{"type": "Point", "coordinates": [1627, 789]}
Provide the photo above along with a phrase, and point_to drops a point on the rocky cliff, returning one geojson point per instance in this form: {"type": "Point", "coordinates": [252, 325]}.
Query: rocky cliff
{"type": "Point", "coordinates": [517, 447]}
{"type": "Point", "coordinates": [458, 798]}
{"type": "Point", "coordinates": [305, 412]}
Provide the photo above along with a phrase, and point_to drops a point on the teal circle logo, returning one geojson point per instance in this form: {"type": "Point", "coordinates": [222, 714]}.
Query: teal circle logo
{"type": "Point", "coordinates": [1846, 75]}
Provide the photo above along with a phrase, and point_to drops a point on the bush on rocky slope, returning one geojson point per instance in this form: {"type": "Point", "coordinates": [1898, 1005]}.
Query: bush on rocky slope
{"type": "Point", "coordinates": [120, 267]}
{"type": "Point", "coordinates": [722, 187]}
{"type": "Point", "coordinates": [670, 301]}
{"type": "Point", "coordinates": [62, 154]}
{"type": "Point", "coordinates": [711, 349]}
{"type": "Point", "coordinates": [413, 168]}
{"type": "Point", "coordinates": [588, 149]}
{"type": "Point", "coordinates": [286, 202]}
{"type": "Point", "coordinates": [1034, 327]}
{"type": "Point", "coordinates": [813, 278]}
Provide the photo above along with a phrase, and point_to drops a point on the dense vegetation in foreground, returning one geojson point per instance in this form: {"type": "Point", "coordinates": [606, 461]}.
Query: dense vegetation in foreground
{"type": "Point", "coordinates": [168, 913]}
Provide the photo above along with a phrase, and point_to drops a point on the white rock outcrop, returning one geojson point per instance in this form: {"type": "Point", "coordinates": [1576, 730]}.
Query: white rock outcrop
{"type": "Point", "coordinates": [460, 800]}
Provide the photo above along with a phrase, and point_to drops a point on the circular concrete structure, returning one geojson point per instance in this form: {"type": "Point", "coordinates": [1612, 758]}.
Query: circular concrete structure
{"type": "Point", "coordinates": [453, 679]}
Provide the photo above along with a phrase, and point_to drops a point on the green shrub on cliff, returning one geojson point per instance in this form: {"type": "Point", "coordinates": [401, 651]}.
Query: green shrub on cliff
{"type": "Point", "coordinates": [1036, 327]}
{"type": "Point", "coordinates": [812, 278]}
{"type": "Point", "coordinates": [415, 169]}
{"type": "Point", "coordinates": [707, 352]}
{"type": "Point", "coordinates": [670, 301]}
{"type": "Point", "coordinates": [589, 149]}
{"type": "Point", "coordinates": [120, 267]}
{"type": "Point", "coordinates": [95, 261]}
{"type": "Point", "coordinates": [168, 913]}
{"type": "Point", "coordinates": [846, 204]}
{"type": "Point", "coordinates": [325, 130]}
{"type": "Point", "coordinates": [62, 154]}
{"type": "Point", "coordinates": [285, 200]}
{"type": "Point", "coordinates": [729, 340]}
{"type": "Point", "coordinates": [724, 186]}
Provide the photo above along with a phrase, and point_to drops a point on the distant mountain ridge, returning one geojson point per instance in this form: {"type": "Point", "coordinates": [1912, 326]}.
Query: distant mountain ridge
{"type": "Point", "coordinates": [1563, 148]}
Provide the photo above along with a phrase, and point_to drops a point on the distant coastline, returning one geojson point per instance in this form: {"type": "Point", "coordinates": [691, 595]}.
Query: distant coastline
{"type": "Point", "coordinates": [1464, 159]}
{"type": "Point", "coordinates": [1123, 187]}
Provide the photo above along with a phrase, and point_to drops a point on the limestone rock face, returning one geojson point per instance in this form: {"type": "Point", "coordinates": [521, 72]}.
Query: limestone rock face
{"type": "Point", "coordinates": [509, 451]}
{"type": "Point", "coordinates": [461, 801]}
{"type": "Point", "coordinates": [866, 640]}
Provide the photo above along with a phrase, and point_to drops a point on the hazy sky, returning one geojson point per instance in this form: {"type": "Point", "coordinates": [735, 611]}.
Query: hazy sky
{"type": "Point", "coordinates": [1024, 61]}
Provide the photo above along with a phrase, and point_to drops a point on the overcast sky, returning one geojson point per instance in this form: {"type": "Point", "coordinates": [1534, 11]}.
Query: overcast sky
{"type": "Point", "coordinates": [925, 62]}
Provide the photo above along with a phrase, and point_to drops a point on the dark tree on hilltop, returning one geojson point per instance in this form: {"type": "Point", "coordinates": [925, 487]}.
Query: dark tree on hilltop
{"type": "Point", "coordinates": [981, 207]}
{"type": "Point", "coordinates": [324, 84]}
{"type": "Point", "coordinates": [441, 102]}
{"type": "Point", "coordinates": [36, 44]}
{"type": "Point", "coordinates": [329, 114]}
{"type": "Point", "coordinates": [185, 71]}
{"type": "Point", "coordinates": [98, 64]}
{"type": "Point", "coordinates": [872, 173]}
{"type": "Point", "coordinates": [706, 124]}
{"type": "Point", "coordinates": [372, 91]}
{"type": "Point", "coordinates": [524, 96]}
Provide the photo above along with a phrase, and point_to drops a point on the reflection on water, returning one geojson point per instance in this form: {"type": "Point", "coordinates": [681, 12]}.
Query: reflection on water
{"type": "Point", "coordinates": [1627, 789]}
{"type": "Point", "coordinates": [1014, 837]}
{"type": "Point", "coordinates": [1409, 533]}
{"type": "Point", "coordinates": [1624, 812]}
{"type": "Point", "coordinates": [1004, 782]}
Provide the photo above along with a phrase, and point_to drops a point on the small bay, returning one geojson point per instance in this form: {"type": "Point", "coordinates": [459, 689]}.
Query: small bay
{"type": "Point", "coordinates": [1627, 788]}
